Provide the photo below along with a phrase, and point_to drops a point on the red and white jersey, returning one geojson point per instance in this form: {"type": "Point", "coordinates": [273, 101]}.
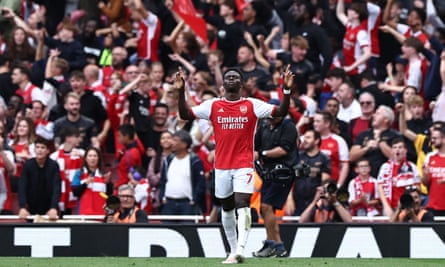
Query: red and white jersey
{"type": "Point", "coordinates": [335, 147]}
{"type": "Point", "coordinates": [435, 164]}
{"type": "Point", "coordinates": [234, 124]}
{"type": "Point", "coordinates": [395, 177]}
{"type": "Point", "coordinates": [149, 36]}
{"type": "Point", "coordinates": [372, 24]}
{"type": "Point", "coordinates": [91, 202]}
{"type": "Point", "coordinates": [407, 32]}
{"type": "Point", "coordinates": [69, 164]}
{"type": "Point", "coordinates": [354, 41]}
{"type": "Point", "coordinates": [8, 202]}
{"type": "Point", "coordinates": [415, 73]}
{"type": "Point", "coordinates": [358, 188]}
{"type": "Point", "coordinates": [30, 94]}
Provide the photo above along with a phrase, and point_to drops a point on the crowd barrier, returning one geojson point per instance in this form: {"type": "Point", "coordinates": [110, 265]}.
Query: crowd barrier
{"type": "Point", "coordinates": [82, 239]}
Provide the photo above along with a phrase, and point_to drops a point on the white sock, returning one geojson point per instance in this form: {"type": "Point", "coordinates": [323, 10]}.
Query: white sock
{"type": "Point", "coordinates": [244, 222]}
{"type": "Point", "coordinates": [228, 220]}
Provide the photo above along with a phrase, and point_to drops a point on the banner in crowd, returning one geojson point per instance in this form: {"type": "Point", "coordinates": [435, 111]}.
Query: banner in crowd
{"type": "Point", "coordinates": [186, 10]}
{"type": "Point", "coordinates": [195, 240]}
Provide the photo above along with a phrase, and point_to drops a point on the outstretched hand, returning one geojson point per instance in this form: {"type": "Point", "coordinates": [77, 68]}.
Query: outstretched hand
{"type": "Point", "coordinates": [179, 79]}
{"type": "Point", "coordinates": [288, 78]}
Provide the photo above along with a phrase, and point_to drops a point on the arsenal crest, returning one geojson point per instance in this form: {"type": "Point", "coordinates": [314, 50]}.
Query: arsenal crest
{"type": "Point", "coordinates": [243, 109]}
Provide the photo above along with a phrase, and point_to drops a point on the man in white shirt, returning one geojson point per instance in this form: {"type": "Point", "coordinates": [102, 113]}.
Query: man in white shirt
{"type": "Point", "coordinates": [349, 106]}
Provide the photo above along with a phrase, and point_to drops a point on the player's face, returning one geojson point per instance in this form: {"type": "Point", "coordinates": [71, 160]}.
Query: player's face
{"type": "Point", "coordinates": [232, 82]}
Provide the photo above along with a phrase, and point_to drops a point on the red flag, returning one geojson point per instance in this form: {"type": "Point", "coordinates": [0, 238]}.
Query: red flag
{"type": "Point", "coordinates": [186, 10]}
{"type": "Point", "coordinates": [240, 4]}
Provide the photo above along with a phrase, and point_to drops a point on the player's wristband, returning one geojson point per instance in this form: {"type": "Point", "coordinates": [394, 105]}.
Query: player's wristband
{"type": "Point", "coordinates": [286, 91]}
{"type": "Point", "coordinates": [264, 153]}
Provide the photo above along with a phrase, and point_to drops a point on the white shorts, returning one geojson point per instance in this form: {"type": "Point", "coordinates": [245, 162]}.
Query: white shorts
{"type": "Point", "coordinates": [233, 180]}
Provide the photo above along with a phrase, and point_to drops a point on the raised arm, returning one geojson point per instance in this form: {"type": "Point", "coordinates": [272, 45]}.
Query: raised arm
{"type": "Point", "coordinates": [288, 86]}
{"type": "Point", "coordinates": [387, 19]}
{"type": "Point", "coordinates": [340, 12]}
{"type": "Point", "coordinates": [132, 85]}
{"type": "Point", "coordinates": [258, 55]}
{"type": "Point", "coordinates": [402, 123]}
{"type": "Point", "coordinates": [183, 107]}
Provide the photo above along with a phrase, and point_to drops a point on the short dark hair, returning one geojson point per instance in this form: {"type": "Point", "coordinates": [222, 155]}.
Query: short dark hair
{"type": "Point", "coordinates": [337, 73]}
{"type": "Point", "coordinates": [3, 60]}
{"type": "Point", "coordinates": [317, 135]}
{"type": "Point", "coordinates": [421, 13]}
{"type": "Point", "coordinates": [440, 128]}
{"type": "Point", "coordinates": [161, 105]}
{"type": "Point", "coordinates": [236, 70]}
{"type": "Point", "coordinates": [361, 160]}
{"type": "Point", "coordinates": [69, 131]}
{"type": "Point", "coordinates": [414, 43]}
{"type": "Point", "coordinates": [397, 140]}
{"type": "Point", "coordinates": [127, 130]}
{"type": "Point", "coordinates": [232, 5]}
{"type": "Point", "coordinates": [368, 75]}
{"type": "Point", "coordinates": [185, 137]}
{"type": "Point", "coordinates": [42, 141]}
{"type": "Point", "coordinates": [77, 74]}
{"type": "Point", "coordinates": [24, 70]}
{"type": "Point", "coordinates": [361, 9]}
{"type": "Point", "coordinates": [248, 47]}
{"type": "Point", "coordinates": [327, 117]}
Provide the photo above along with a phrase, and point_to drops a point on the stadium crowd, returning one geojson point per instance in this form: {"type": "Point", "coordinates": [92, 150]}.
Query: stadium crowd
{"type": "Point", "coordinates": [89, 85]}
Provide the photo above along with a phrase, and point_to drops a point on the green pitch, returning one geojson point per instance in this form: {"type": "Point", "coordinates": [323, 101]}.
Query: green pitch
{"type": "Point", "coordinates": [204, 262]}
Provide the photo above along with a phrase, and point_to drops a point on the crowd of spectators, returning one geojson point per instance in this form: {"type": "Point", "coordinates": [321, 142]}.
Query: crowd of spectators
{"type": "Point", "coordinates": [95, 80]}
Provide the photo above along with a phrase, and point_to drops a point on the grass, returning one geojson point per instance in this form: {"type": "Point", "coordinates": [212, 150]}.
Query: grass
{"type": "Point", "coordinates": [205, 262]}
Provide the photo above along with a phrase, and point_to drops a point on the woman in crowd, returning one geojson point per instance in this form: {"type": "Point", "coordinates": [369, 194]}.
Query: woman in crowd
{"type": "Point", "coordinates": [155, 166]}
{"type": "Point", "coordinates": [19, 49]}
{"type": "Point", "coordinates": [23, 141]}
{"type": "Point", "coordinates": [89, 184]}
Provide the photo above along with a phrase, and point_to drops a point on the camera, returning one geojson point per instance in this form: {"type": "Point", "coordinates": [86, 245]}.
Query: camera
{"type": "Point", "coordinates": [406, 201]}
{"type": "Point", "coordinates": [331, 188]}
{"type": "Point", "coordinates": [112, 205]}
{"type": "Point", "coordinates": [302, 170]}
